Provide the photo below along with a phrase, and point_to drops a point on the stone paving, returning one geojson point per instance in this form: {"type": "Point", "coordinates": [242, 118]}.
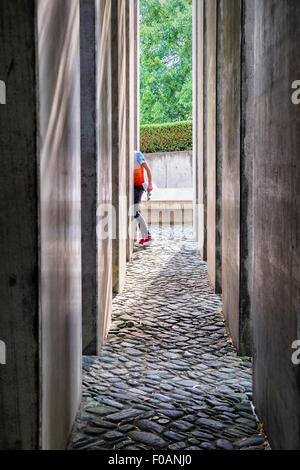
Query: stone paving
{"type": "Point", "coordinates": [168, 377]}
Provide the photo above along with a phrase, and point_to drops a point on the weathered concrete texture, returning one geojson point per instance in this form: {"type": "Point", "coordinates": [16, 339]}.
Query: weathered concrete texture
{"type": "Point", "coordinates": [60, 218]}
{"type": "Point", "coordinates": [247, 152]}
{"type": "Point", "coordinates": [213, 214]}
{"type": "Point", "coordinates": [276, 291]}
{"type": "Point", "coordinates": [96, 176]}
{"type": "Point", "coordinates": [171, 169]}
{"type": "Point", "coordinates": [219, 137]}
{"type": "Point", "coordinates": [19, 393]}
{"type": "Point", "coordinates": [132, 112]}
{"type": "Point", "coordinates": [199, 180]}
{"type": "Point", "coordinates": [204, 103]}
{"type": "Point", "coordinates": [234, 163]}
{"type": "Point", "coordinates": [168, 378]}
{"type": "Point", "coordinates": [231, 166]}
{"type": "Point", "coordinates": [119, 140]}
{"type": "Point", "coordinates": [88, 177]}
{"type": "Point", "coordinates": [104, 166]}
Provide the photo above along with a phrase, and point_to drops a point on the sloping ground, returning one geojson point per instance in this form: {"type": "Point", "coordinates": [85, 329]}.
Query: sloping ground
{"type": "Point", "coordinates": [168, 378]}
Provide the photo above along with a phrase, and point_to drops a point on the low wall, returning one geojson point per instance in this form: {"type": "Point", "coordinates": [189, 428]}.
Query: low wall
{"type": "Point", "coordinates": [171, 169]}
{"type": "Point", "coordinates": [169, 207]}
{"type": "Point", "coordinates": [168, 212]}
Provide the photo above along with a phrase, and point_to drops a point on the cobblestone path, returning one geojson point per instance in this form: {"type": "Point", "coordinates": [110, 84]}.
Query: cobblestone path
{"type": "Point", "coordinates": [169, 377]}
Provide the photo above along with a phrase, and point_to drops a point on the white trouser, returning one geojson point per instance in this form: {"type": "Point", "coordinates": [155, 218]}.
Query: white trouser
{"type": "Point", "coordinates": [141, 221]}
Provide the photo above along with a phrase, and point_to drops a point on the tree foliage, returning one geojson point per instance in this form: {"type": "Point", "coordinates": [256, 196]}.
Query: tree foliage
{"type": "Point", "coordinates": [166, 60]}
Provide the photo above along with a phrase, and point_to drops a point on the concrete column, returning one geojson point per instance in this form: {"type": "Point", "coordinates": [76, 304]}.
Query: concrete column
{"type": "Point", "coordinates": [246, 169]}
{"type": "Point", "coordinates": [95, 170]}
{"type": "Point", "coordinates": [88, 176]}
{"type": "Point", "coordinates": [219, 150]}
{"type": "Point", "coordinates": [104, 166]}
{"type": "Point", "coordinates": [119, 141]}
{"type": "Point", "coordinates": [132, 111]}
{"type": "Point", "coordinates": [212, 142]}
{"type": "Point", "coordinates": [198, 127]}
{"type": "Point", "coordinates": [237, 154]}
{"type": "Point", "coordinates": [231, 166]}
{"type": "Point", "coordinates": [19, 274]}
{"type": "Point", "coordinates": [59, 218]}
{"type": "Point", "coordinates": [40, 267]}
{"type": "Point", "coordinates": [276, 221]}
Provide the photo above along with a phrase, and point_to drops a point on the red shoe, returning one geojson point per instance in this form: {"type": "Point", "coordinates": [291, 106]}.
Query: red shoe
{"type": "Point", "coordinates": [141, 242]}
{"type": "Point", "coordinates": [148, 241]}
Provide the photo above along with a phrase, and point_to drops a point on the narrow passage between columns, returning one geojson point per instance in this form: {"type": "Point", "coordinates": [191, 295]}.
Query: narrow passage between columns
{"type": "Point", "coordinates": [168, 377]}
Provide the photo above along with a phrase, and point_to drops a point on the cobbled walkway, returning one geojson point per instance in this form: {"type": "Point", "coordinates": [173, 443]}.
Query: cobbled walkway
{"type": "Point", "coordinates": [168, 377]}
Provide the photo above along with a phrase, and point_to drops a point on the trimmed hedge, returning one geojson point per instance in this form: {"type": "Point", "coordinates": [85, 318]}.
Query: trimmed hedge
{"type": "Point", "coordinates": [169, 137]}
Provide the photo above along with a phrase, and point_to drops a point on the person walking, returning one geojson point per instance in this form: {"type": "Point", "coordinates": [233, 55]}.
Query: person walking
{"type": "Point", "coordinates": [140, 186]}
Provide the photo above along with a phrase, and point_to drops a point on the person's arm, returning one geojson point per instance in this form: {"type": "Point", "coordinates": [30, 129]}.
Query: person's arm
{"type": "Point", "coordinates": [150, 188]}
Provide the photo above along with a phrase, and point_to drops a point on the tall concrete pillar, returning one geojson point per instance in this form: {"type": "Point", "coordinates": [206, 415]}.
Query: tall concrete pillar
{"type": "Point", "coordinates": [231, 166]}
{"type": "Point", "coordinates": [60, 218]}
{"type": "Point", "coordinates": [19, 267]}
{"type": "Point", "coordinates": [213, 152]}
{"type": "Point", "coordinates": [88, 177]}
{"type": "Point", "coordinates": [237, 105]}
{"type": "Point", "coordinates": [132, 105]}
{"type": "Point", "coordinates": [199, 181]}
{"type": "Point", "coordinates": [40, 323]}
{"type": "Point", "coordinates": [104, 166]}
{"type": "Point", "coordinates": [119, 141]}
{"type": "Point", "coordinates": [246, 169]}
{"type": "Point", "coordinates": [219, 150]}
{"type": "Point", "coordinates": [96, 187]}
{"type": "Point", "coordinates": [276, 221]}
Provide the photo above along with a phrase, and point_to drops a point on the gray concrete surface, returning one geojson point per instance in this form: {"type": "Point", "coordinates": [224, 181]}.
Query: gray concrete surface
{"type": "Point", "coordinates": [276, 279]}
{"type": "Point", "coordinates": [199, 164]}
{"type": "Point", "coordinates": [60, 219]}
{"type": "Point", "coordinates": [119, 141]}
{"type": "Point", "coordinates": [231, 167]}
{"type": "Point", "coordinates": [19, 317]}
{"type": "Point", "coordinates": [96, 184]}
{"type": "Point", "coordinates": [246, 196]}
{"type": "Point", "coordinates": [213, 214]}
{"type": "Point", "coordinates": [89, 161]}
{"type": "Point", "coordinates": [40, 210]}
{"type": "Point", "coordinates": [171, 169]}
{"type": "Point", "coordinates": [104, 167]}
{"type": "Point", "coordinates": [132, 108]}
{"type": "Point", "coordinates": [219, 139]}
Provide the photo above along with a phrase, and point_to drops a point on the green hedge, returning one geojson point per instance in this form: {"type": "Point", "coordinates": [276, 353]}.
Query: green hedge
{"type": "Point", "coordinates": [169, 137]}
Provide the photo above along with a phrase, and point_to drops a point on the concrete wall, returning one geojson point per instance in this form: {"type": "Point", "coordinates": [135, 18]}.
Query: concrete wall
{"type": "Point", "coordinates": [276, 280]}
{"type": "Point", "coordinates": [60, 218]}
{"type": "Point", "coordinates": [19, 319]}
{"type": "Point", "coordinates": [96, 178]}
{"type": "Point", "coordinates": [171, 169]}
